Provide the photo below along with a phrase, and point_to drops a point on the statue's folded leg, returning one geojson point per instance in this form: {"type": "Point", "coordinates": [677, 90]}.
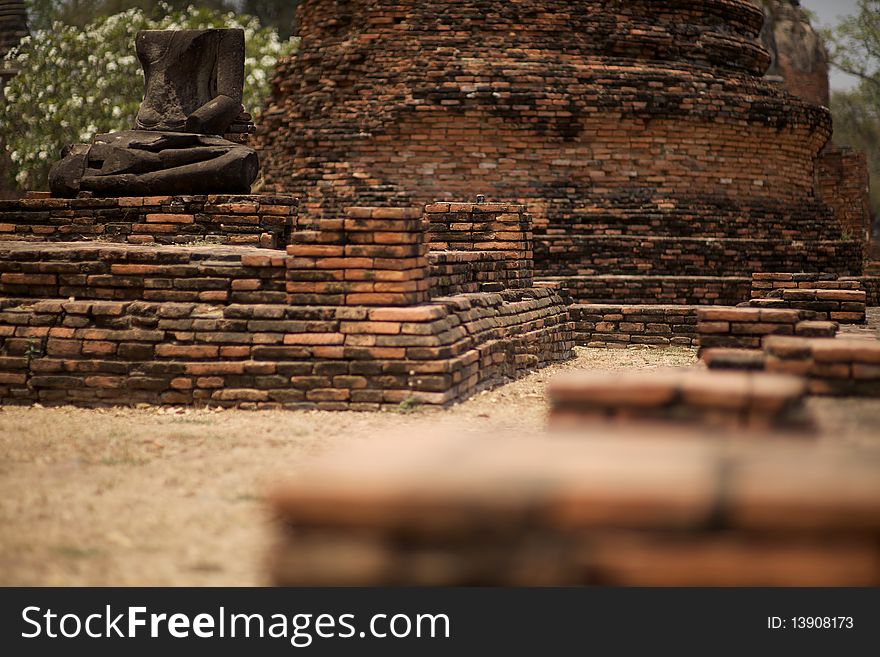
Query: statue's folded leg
{"type": "Point", "coordinates": [119, 184]}
{"type": "Point", "coordinates": [233, 172]}
{"type": "Point", "coordinates": [178, 157]}
{"type": "Point", "coordinates": [135, 163]}
{"type": "Point", "coordinates": [227, 170]}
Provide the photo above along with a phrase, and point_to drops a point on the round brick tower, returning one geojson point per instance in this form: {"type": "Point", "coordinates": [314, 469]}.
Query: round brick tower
{"type": "Point", "coordinates": [639, 132]}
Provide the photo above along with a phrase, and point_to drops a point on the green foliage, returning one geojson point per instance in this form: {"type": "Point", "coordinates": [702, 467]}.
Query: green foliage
{"type": "Point", "coordinates": [857, 124]}
{"type": "Point", "coordinates": [279, 14]}
{"type": "Point", "coordinates": [854, 47]}
{"type": "Point", "coordinates": [409, 405]}
{"type": "Point", "coordinates": [76, 83]}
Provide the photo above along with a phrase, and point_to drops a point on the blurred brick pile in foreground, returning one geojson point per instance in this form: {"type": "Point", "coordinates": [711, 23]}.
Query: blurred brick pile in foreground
{"type": "Point", "coordinates": [599, 506]}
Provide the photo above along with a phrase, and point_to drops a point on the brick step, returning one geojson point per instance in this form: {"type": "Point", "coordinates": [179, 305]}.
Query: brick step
{"type": "Point", "coordinates": [609, 508]}
{"type": "Point", "coordinates": [464, 272]}
{"type": "Point", "coordinates": [747, 328]}
{"type": "Point", "coordinates": [769, 284]}
{"type": "Point", "coordinates": [721, 358]}
{"type": "Point", "coordinates": [729, 399]}
{"type": "Point", "coordinates": [564, 255]}
{"type": "Point", "coordinates": [838, 305]}
{"type": "Point", "coordinates": [845, 366]}
{"type": "Point", "coordinates": [647, 289]}
{"type": "Point", "coordinates": [696, 217]}
{"type": "Point", "coordinates": [124, 272]}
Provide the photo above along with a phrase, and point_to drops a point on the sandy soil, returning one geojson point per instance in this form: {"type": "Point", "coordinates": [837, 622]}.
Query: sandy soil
{"type": "Point", "coordinates": [173, 496]}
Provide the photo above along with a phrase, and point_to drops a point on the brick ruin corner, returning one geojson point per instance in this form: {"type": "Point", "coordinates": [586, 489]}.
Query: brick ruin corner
{"type": "Point", "coordinates": [242, 302]}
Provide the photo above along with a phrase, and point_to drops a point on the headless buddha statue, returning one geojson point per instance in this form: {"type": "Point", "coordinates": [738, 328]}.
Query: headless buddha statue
{"type": "Point", "coordinates": [193, 93]}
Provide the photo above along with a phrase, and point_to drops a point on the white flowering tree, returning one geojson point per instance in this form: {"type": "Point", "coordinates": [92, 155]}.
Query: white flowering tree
{"type": "Point", "coordinates": [76, 83]}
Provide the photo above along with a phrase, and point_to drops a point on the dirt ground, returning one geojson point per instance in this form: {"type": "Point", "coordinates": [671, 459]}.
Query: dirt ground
{"type": "Point", "coordinates": [173, 496]}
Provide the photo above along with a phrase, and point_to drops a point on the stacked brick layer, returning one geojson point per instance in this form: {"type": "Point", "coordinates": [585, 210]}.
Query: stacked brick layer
{"type": "Point", "coordinates": [488, 228]}
{"type": "Point", "coordinates": [580, 510]}
{"type": "Point", "coordinates": [576, 255]}
{"type": "Point", "coordinates": [826, 296]}
{"type": "Point", "coordinates": [263, 220]}
{"type": "Point", "coordinates": [601, 325]}
{"type": "Point", "coordinates": [91, 270]}
{"type": "Point", "coordinates": [836, 305]}
{"type": "Point", "coordinates": [463, 272]}
{"type": "Point", "coordinates": [870, 282]}
{"type": "Point", "coordinates": [372, 257]}
{"type": "Point", "coordinates": [623, 126]}
{"type": "Point", "coordinates": [273, 356]}
{"type": "Point", "coordinates": [844, 366]}
{"type": "Point", "coordinates": [871, 285]}
{"type": "Point", "coordinates": [764, 284]}
{"type": "Point", "coordinates": [684, 290]}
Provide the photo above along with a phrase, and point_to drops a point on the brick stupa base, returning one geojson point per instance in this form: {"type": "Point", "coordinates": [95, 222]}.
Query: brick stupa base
{"type": "Point", "coordinates": [353, 313]}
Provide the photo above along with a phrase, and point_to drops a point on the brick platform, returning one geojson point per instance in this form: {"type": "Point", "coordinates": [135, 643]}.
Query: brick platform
{"type": "Point", "coordinates": [870, 281]}
{"type": "Point", "coordinates": [599, 325]}
{"type": "Point", "coordinates": [264, 220]}
{"type": "Point", "coordinates": [373, 257]}
{"type": "Point", "coordinates": [844, 366]}
{"type": "Point", "coordinates": [463, 272]}
{"type": "Point", "coordinates": [590, 509]}
{"type": "Point", "coordinates": [844, 306]}
{"type": "Point", "coordinates": [724, 399]}
{"type": "Point", "coordinates": [576, 255]}
{"type": "Point", "coordinates": [487, 228]}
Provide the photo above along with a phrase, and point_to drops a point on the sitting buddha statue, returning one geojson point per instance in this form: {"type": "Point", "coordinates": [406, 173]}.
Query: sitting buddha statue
{"type": "Point", "coordinates": [193, 93]}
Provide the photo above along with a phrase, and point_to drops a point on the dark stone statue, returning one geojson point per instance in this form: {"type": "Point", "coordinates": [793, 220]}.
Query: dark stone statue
{"type": "Point", "coordinates": [193, 92]}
